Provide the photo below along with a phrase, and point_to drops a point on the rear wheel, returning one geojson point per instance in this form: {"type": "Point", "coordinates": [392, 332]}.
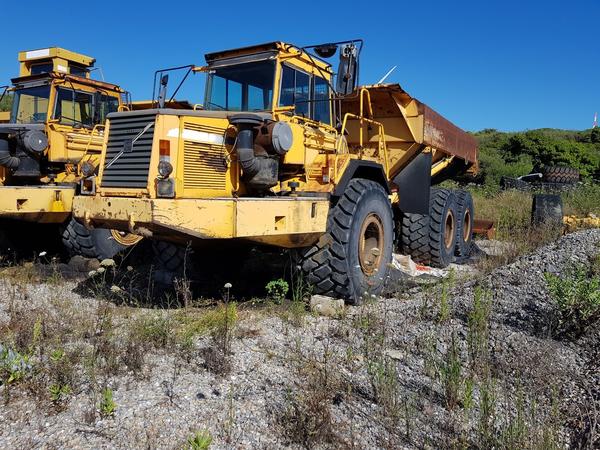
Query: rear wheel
{"type": "Point", "coordinates": [352, 258]}
{"type": "Point", "coordinates": [464, 239]}
{"type": "Point", "coordinates": [97, 243]}
{"type": "Point", "coordinates": [431, 239]}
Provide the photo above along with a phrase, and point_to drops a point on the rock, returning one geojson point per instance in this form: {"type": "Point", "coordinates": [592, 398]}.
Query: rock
{"type": "Point", "coordinates": [80, 264]}
{"type": "Point", "coordinates": [93, 264]}
{"type": "Point", "coordinates": [326, 306]}
{"type": "Point", "coordinates": [394, 354]}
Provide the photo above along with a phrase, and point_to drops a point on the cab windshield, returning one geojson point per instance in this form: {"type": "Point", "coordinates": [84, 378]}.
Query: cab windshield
{"type": "Point", "coordinates": [241, 87]}
{"type": "Point", "coordinates": [30, 105]}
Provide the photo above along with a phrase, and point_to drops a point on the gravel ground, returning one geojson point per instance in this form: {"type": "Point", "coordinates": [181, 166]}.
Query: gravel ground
{"type": "Point", "coordinates": [273, 360]}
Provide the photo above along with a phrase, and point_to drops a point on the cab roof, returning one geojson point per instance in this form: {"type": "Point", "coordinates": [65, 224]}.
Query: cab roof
{"type": "Point", "coordinates": [277, 47]}
{"type": "Point", "coordinates": [72, 78]}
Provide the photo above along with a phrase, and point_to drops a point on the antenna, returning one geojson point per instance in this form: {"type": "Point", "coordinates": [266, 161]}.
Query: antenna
{"type": "Point", "coordinates": [386, 75]}
{"type": "Point", "coordinates": [595, 124]}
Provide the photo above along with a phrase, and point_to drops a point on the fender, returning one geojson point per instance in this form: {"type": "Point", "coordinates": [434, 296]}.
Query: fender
{"type": "Point", "coordinates": [359, 168]}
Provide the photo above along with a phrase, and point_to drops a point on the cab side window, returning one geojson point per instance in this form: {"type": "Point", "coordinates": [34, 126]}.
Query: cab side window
{"type": "Point", "coordinates": [309, 94]}
{"type": "Point", "coordinates": [321, 104]}
{"type": "Point", "coordinates": [107, 105]}
{"type": "Point", "coordinates": [73, 107]}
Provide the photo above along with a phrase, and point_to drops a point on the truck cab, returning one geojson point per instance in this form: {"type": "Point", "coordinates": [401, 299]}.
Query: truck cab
{"type": "Point", "coordinates": [51, 139]}
{"type": "Point", "coordinates": [57, 118]}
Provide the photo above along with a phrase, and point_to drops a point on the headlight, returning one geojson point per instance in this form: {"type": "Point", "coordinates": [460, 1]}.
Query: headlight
{"type": "Point", "coordinates": [87, 169]}
{"type": "Point", "coordinates": [165, 168]}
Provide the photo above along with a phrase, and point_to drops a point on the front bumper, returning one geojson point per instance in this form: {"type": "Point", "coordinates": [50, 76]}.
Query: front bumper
{"type": "Point", "coordinates": [285, 222]}
{"type": "Point", "coordinates": [44, 204]}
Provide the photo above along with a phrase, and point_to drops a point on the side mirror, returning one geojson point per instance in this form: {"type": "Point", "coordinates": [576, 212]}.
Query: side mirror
{"type": "Point", "coordinates": [347, 75]}
{"type": "Point", "coordinates": [162, 94]}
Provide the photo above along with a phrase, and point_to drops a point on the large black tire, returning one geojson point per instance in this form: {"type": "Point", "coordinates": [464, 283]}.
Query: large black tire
{"type": "Point", "coordinates": [557, 174]}
{"type": "Point", "coordinates": [352, 258]}
{"type": "Point", "coordinates": [427, 238]}
{"type": "Point", "coordinates": [170, 261]}
{"type": "Point", "coordinates": [97, 243]}
{"type": "Point", "coordinates": [465, 219]}
{"type": "Point", "coordinates": [547, 210]}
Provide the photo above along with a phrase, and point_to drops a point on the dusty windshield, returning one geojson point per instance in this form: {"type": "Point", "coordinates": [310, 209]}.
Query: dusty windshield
{"type": "Point", "coordinates": [241, 87]}
{"type": "Point", "coordinates": [30, 105]}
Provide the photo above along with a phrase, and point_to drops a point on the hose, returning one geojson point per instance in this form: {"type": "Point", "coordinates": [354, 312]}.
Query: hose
{"type": "Point", "coordinates": [6, 159]}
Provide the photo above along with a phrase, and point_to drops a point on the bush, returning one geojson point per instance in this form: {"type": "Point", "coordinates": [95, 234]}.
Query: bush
{"type": "Point", "coordinates": [577, 298]}
{"type": "Point", "coordinates": [277, 290]}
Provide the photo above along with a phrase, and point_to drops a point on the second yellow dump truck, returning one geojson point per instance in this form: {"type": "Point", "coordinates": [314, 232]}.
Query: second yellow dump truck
{"type": "Point", "coordinates": [51, 139]}
{"type": "Point", "coordinates": [286, 154]}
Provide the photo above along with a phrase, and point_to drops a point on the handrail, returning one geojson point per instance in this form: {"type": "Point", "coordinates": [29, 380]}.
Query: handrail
{"type": "Point", "coordinates": [382, 146]}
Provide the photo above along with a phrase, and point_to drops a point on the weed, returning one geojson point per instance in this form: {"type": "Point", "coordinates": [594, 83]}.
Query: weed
{"type": "Point", "coordinates": [577, 298]}
{"type": "Point", "coordinates": [201, 440]}
{"type": "Point", "coordinates": [14, 366]}
{"type": "Point", "coordinates": [487, 413]}
{"type": "Point", "coordinates": [58, 392]}
{"type": "Point", "coordinates": [478, 325]}
{"type": "Point", "coordinates": [155, 329]}
{"type": "Point", "coordinates": [107, 404]}
{"type": "Point", "coordinates": [445, 307]}
{"type": "Point", "coordinates": [277, 290]}
{"type": "Point", "coordinates": [293, 312]}
{"type": "Point", "coordinates": [450, 372]}
{"type": "Point", "coordinates": [384, 380]}
{"type": "Point", "coordinates": [307, 418]}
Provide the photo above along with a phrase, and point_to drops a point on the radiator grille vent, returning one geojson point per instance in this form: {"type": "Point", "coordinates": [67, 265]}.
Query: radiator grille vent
{"type": "Point", "coordinates": [132, 164]}
{"type": "Point", "coordinates": [204, 165]}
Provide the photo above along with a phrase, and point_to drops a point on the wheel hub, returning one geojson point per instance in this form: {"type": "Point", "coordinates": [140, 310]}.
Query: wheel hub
{"type": "Point", "coordinates": [450, 230]}
{"type": "Point", "coordinates": [370, 247]}
{"type": "Point", "coordinates": [125, 239]}
{"type": "Point", "coordinates": [466, 225]}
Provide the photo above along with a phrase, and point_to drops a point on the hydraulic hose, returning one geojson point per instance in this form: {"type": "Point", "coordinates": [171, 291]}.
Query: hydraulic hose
{"type": "Point", "coordinates": [6, 159]}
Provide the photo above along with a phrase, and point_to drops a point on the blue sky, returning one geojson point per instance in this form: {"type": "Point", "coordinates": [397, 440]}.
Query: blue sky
{"type": "Point", "coordinates": [510, 65]}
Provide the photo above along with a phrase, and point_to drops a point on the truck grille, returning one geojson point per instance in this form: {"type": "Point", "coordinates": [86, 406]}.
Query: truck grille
{"type": "Point", "coordinates": [204, 164]}
{"type": "Point", "coordinates": [132, 164]}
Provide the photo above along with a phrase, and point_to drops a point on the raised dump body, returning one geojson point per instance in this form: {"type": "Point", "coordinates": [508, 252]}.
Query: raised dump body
{"type": "Point", "coordinates": [411, 127]}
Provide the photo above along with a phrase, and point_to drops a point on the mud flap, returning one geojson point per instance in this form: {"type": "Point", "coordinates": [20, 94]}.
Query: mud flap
{"type": "Point", "coordinates": [414, 184]}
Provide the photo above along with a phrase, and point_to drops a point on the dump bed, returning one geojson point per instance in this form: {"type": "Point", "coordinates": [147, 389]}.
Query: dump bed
{"type": "Point", "coordinates": [411, 127]}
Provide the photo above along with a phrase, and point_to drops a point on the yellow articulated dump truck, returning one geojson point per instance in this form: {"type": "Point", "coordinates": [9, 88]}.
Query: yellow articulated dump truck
{"type": "Point", "coordinates": [51, 139]}
{"type": "Point", "coordinates": [285, 154]}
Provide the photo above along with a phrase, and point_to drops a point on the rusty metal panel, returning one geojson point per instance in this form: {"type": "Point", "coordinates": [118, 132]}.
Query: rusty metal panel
{"type": "Point", "coordinates": [443, 135]}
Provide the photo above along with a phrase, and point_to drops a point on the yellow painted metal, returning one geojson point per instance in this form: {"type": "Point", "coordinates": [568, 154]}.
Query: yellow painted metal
{"type": "Point", "coordinates": [44, 204]}
{"type": "Point", "coordinates": [61, 61]}
{"type": "Point", "coordinates": [573, 223]}
{"type": "Point", "coordinates": [4, 116]}
{"type": "Point", "coordinates": [289, 222]}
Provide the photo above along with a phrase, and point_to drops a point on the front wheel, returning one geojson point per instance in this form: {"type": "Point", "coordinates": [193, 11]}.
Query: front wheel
{"type": "Point", "coordinates": [98, 243]}
{"type": "Point", "coordinates": [351, 260]}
